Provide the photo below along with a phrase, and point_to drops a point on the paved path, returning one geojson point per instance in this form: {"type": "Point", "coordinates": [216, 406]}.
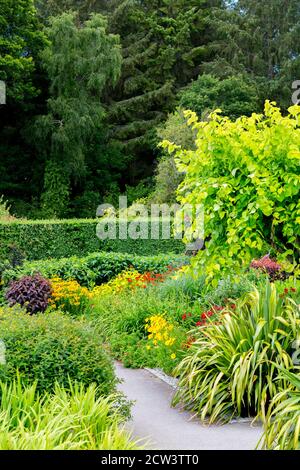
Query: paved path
{"type": "Point", "coordinates": [164, 427]}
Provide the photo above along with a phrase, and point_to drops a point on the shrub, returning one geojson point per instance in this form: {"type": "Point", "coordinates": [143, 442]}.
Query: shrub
{"type": "Point", "coordinates": [229, 369]}
{"type": "Point", "coordinates": [96, 268]}
{"type": "Point", "coordinates": [248, 172]}
{"type": "Point", "coordinates": [69, 296]}
{"type": "Point", "coordinates": [31, 292]}
{"type": "Point", "coordinates": [53, 347]}
{"type": "Point", "coordinates": [46, 239]}
{"type": "Point", "coordinates": [282, 424]}
{"type": "Point", "coordinates": [269, 266]}
{"type": "Point", "coordinates": [61, 420]}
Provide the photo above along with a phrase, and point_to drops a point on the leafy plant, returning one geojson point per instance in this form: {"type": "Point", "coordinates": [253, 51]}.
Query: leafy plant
{"type": "Point", "coordinates": [231, 367]}
{"type": "Point", "coordinates": [77, 419]}
{"type": "Point", "coordinates": [246, 175]}
{"type": "Point", "coordinates": [282, 424]}
{"type": "Point", "coordinates": [53, 347]}
{"type": "Point", "coordinates": [44, 239]}
{"type": "Point", "coordinates": [31, 292]}
{"type": "Point", "coordinates": [269, 266]}
{"type": "Point", "coordinates": [4, 210]}
{"type": "Point", "coordinates": [69, 296]}
{"type": "Point", "coordinates": [96, 268]}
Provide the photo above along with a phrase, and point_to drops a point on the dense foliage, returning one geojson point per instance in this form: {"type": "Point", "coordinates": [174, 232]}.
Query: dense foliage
{"type": "Point", "coordinates": [31, 292]}
{"type": "Point", "coordinates": [282, 431]}
{"type": "Point", "coordinates": [95, 268]}
{"type": "Point", "coordinates": [44, 239]}
{"type": "Point", "coordinates": [78, 420]}
{"type": "Point", "coordinates": [50, 348]}
{"type": "Point", "coordinates": [245, 173]}
{"type": "Point", "coordinates": [231, 369]}
{"type": "Point", "coordinates": [102, 130]}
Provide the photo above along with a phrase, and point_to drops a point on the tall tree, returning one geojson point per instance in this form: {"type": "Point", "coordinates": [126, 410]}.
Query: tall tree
{"type": "Point", "coordinates": [261, 40]}
{"type": "Point", "coordinates": [21, 40]}
{"type": "Point", "coordinates": [84, 8]}
{"type": "Point", "coordinates": [163, 43]}
{"type": "Point", "coordinates": [79, 62]}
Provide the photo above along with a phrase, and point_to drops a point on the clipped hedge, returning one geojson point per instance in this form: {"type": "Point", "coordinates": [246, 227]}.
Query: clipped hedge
{"type": "Point", "coordinates": [96, 268]}
{"type": "Point", "coordinates": [63, 238]}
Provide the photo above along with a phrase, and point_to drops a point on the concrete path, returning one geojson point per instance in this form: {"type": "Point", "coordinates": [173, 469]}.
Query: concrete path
{"type": "Point", "coordinates": [167, 428]}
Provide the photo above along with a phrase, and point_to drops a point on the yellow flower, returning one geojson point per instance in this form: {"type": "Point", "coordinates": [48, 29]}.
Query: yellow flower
{"type": "Point", "coordinates": [173, 356]}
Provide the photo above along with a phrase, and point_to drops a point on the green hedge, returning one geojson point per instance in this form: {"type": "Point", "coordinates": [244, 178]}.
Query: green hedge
{"type": "Point", "coordinates": [96, 268]}
{"type": "Point", "coordinates": [64, 238]}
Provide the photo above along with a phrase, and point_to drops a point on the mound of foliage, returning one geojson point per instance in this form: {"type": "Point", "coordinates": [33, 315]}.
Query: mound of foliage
{"type": "Point", "coordinates": [31, 292]}
{"type": "Point", "coordinates": [96, 268]}
{"type": "Point", "coordinates": [53, 347]}
{"type": "Point", "coordinates": [60, 420]}
{"type": "Point", "coordinates": [231, 368]}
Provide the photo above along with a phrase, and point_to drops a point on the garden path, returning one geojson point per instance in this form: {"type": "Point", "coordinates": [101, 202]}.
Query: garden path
{"type": "Point", "coordinates": [164, 427]}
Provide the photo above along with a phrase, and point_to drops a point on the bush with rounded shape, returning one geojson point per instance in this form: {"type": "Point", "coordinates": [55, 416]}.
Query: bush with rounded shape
{"type": "Point", "coordinates": [245, 174]}
{"type": "Point", "coordinates": [53, 347]}
{"type": "Point", "coordinates": [31, 292]}
{"type": "Point", "coordinates": [231, 368]}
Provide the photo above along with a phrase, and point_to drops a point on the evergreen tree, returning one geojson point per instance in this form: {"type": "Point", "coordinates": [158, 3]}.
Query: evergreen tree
{"type": "Point", "coordinates": [163, 44]}
{"type": "Point", "coordinates": [261, 40]}
{"type": "Point", "coordinates": [79, 62]}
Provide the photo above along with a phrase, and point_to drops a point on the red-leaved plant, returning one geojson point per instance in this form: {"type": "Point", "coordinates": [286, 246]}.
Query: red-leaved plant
{"type": "Point", "coordinates": [30, 292]}
{"type": "Point", "coordinates": [269, 266]}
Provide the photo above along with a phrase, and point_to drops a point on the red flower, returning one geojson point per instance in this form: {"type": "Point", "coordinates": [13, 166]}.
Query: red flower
{"type": "Point", "coordinates": [184, 316]}
{"type": "Point", "coordinates": [203, 316]}
{"type": "Point", "coordinates": [233, 306]}
{"type": "Point", "coordinates": [293, 289]}
{"type": "Point", "coordinates": [286, 291]}
{"type": "Point", "coordinates": [199, 323]}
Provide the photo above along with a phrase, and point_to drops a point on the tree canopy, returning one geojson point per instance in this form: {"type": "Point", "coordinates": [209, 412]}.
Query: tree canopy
{"type": "Point", "coordinates": [92, 85]}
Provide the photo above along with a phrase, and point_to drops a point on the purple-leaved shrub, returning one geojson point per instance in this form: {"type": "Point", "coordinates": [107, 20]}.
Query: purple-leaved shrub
{"type": "Point", "coordinates": [30, 292]}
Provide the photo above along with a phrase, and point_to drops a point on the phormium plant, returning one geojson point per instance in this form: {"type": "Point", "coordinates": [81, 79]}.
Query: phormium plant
{"type": "Point", "coordinates": [31, 292]}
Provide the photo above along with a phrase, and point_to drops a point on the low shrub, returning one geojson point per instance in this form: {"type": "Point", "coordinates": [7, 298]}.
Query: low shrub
{"type": "Point", "coordinates": [31, 292]}
{"type": "Point", "coordinates": [229, 369]}
{"type": "Point", "coordinates": [95, 269]}
{"type": "Point", "coordinates": [53, 347]}
{"type": "Point", "coordinates": [75, 420]}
